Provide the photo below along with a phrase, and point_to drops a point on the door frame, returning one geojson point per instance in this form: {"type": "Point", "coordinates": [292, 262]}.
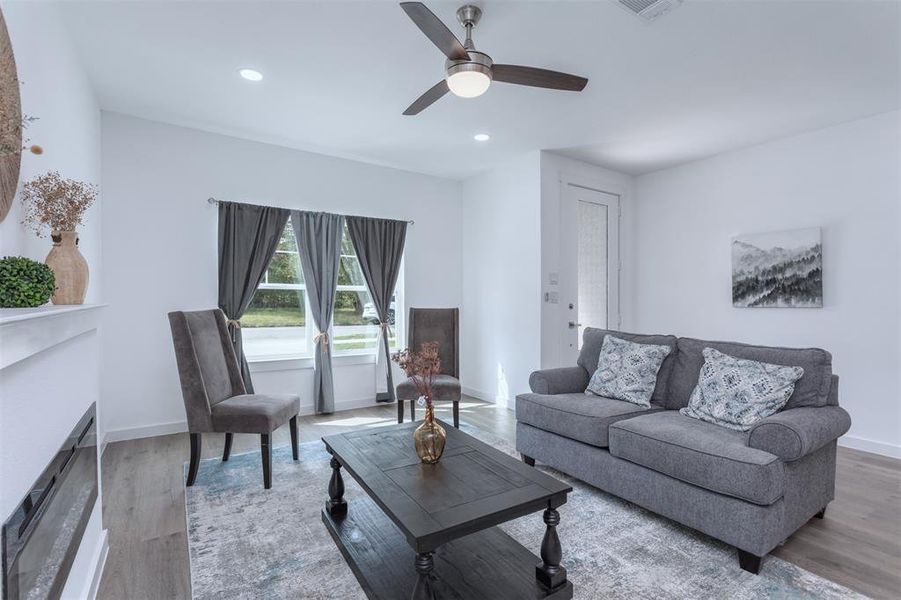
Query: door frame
{"type": "Point", "coordinates": [614, 311]}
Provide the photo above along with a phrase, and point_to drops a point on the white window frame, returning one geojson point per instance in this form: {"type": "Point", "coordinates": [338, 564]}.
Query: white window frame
{"type": "Point", "coordinates": [309, 328]}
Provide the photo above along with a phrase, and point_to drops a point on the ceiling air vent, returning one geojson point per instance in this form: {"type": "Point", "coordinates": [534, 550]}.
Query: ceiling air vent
{"type": "Point", "coordinates": [648, 10]}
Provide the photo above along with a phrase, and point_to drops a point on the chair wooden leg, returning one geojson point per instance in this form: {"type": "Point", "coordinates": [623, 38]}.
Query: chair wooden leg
{"type": "Point", "coordinates": [292, 425]}
{"type": "Point", "coordinates": [400, 410]}
{"type": "Point", "coordinates": [457, 414]}
{"type": "Point", "coordinates": [266, 451]}
{"type": "Point", "coordinates": [195, 458]}
{"type": "Point", "coordinates": [821, 514]}
{"type": "Point", "coordinates": [228, 447]}
{"type": "Point", "coordinates": [528, 460]}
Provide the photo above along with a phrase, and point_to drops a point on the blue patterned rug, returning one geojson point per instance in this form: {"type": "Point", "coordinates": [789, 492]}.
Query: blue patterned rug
{"type": "Point", "coordinates": [247, 542]}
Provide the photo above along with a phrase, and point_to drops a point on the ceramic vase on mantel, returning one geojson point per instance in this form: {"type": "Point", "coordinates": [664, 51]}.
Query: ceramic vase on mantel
{"type": "Point", "coordinates": [69, 267]}
{"type": "Point", "coordinates": [429, 438]}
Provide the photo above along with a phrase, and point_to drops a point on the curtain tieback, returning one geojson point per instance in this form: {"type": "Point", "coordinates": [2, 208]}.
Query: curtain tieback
{"type": "Point", "coordinates": [233, 323]}
{"type": "Point", "coordinates": [322, 337]}
{"type": "Point", "coordinates": [386, 330]}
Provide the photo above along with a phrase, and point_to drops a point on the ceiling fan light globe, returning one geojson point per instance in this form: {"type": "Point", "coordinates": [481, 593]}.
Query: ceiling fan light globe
{"type": "Point", "coordinates": [468, 84]}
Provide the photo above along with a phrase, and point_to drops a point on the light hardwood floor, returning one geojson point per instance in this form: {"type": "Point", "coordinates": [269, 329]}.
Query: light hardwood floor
{"type": "Point", "coordinates": [858, 544]}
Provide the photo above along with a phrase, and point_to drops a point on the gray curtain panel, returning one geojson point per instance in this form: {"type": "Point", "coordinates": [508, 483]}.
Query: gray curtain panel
{"type": "Point", "coordinates": [319, 244]}
{"type": "Point", "coordinates": [380, 246]}
{"type": "Point", "coordinates": [248, 237]}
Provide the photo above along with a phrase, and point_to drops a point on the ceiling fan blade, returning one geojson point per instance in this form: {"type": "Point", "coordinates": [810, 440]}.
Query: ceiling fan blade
{"type": "Point", "coordinates": [426, 100]}
{"type": "Point", "coordinates": [435, 30]}
{"type": "Point", "coordinates": [535, 77]}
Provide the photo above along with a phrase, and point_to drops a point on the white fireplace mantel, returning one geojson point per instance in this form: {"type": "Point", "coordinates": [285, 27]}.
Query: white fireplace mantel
{"type": "Point", "coordinates": [49, 377]}
{"type": "Point", "coordinates": [27, 331]}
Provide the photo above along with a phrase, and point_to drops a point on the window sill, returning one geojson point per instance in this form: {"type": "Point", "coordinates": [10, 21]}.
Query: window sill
{"type": "Point", "coordinates": [294, 363]}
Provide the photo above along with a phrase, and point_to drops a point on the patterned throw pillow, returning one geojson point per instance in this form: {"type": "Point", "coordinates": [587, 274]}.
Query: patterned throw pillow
{"type": "Point", "coordinates": [736, 392]}
{"type": "Point", "coordinates": [627, 371]}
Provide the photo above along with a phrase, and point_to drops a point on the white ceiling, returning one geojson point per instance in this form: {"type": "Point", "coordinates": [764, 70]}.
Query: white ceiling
{"type": "Point", "coordinates": [708, 77]}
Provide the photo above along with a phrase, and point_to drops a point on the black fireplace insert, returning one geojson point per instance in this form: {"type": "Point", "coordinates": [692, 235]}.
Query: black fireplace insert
{"type": "Point", "coordinates": [41, 537]}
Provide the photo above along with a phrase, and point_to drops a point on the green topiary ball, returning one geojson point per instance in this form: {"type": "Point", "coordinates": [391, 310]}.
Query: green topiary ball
{"type": "Point", "coordinates": [25, 283]}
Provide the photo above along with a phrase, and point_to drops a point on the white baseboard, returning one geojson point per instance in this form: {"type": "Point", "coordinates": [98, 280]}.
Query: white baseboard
{"type": "Point", "coordinates": [859, 443]}
{"type": "Point", "coordinates": [144, 431]}
{"type": "Point", "coordinates": [478, 394]}
{"type": "Point", "coordinates": [487, 397]}
{"type": "Point", "coordinates": [99, 564]}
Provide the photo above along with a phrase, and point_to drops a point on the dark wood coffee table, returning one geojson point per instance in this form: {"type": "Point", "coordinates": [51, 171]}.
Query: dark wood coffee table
{"type": "Point", "coordinates": [430, 530]}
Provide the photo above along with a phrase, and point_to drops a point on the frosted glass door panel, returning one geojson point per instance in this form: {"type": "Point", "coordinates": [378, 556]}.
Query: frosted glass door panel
{"type": "Point", "coordinates": [593, 268]}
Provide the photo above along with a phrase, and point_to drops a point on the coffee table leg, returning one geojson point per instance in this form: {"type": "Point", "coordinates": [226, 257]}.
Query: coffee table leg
{"type": "Point", "coordinates": [423, 588]}
{"type": "Point", "coordinates": [336, 505]}
{"type": "Point", "coordinates": [549, 573]}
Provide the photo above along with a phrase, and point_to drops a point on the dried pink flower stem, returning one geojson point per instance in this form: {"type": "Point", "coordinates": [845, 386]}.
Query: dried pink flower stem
{"type": "Point", "coordinates": [54, 203]}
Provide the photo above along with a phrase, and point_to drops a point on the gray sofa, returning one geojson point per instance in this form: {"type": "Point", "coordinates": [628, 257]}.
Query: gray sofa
{"type": "Point", "coordinates": [749, 489]}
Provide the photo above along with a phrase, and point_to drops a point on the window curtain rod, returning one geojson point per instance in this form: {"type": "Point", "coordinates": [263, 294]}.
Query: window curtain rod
{"type": "Point", "coordinates": [215, 201]}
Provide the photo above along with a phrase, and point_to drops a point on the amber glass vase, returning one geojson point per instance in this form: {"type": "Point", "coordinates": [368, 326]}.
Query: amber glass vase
{"type": "Point", "coordinates": [429, 438]}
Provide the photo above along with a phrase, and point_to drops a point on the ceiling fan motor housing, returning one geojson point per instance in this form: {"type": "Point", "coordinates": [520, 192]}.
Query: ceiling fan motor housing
{"type": "Point", "coordinates": [479, 62]}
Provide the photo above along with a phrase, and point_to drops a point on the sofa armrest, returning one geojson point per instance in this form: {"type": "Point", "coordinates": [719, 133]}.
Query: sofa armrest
{"type": "Point", "coordinates": [794, 433]}
{"type": "Point", "coordinates": [566, 380]}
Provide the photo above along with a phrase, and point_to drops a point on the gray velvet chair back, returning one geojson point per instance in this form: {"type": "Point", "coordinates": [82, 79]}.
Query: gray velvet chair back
{"type": "Point", "coordinates": [440, 325]}
{"type": "Point", "coordinates": [207, 365]}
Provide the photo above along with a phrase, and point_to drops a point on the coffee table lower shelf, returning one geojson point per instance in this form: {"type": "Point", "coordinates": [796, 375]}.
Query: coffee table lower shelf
{"type": "Point", "coordinates": [485, 565]}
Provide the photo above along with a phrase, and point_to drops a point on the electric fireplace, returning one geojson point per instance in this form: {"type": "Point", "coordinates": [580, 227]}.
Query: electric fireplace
{"type": "Point", "coordinates": [41, 537]}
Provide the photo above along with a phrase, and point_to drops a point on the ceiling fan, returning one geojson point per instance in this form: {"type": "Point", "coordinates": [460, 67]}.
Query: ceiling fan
{"type": "Point", "coordinates": [470, 72]}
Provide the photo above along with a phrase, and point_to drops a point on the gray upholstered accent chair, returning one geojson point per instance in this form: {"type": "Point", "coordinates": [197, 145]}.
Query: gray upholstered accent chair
{"type": "Point", "coordinates": [214, 394]}
{"type": "Point", "coordinates": [440, 325]}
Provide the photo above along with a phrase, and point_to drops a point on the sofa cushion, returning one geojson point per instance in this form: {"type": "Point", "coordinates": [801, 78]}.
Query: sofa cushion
{"type": "Point", "coordinates": [627, 371]}
{"type": "Point", "coordinates": [703, 454]}
{"type": "Point", "coordinates": [593, 339]}
{"type": "Point", "coordinates": [576, 416]}
{"type": "Point", "coordinates": [811, 390]}
{"type": "Point", "coordinates": [737, 393]}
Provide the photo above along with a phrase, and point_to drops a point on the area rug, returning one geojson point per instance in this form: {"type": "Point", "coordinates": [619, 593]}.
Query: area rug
{"type": "Point", "coordinates": [247, 542]}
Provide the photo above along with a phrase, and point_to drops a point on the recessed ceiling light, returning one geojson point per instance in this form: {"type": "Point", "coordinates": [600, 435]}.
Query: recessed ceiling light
{"type": "Point", "coordinates": [250, 74]}
{"type": "Point", "coordinates": [481, 137]}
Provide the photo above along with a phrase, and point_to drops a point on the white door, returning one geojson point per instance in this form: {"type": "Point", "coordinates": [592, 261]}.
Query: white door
{"type": "Point", "coordinates": [589, 265]}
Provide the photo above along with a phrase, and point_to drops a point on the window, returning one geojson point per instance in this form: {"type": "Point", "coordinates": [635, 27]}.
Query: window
{"type": "Point", "coordinates": [276, 326]}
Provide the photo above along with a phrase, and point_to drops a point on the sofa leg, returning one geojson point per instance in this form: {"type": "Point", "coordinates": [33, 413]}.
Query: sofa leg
{"type": "Point", "coordinates": [821, 514]}
{"type": "Point", "coordinates": [528, 460]}
{"type": "Point", "coordinates": [749, 562]}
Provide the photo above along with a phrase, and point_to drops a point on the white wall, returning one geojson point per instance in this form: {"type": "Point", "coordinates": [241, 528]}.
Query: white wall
{"type": "Point", "coordinates": [500, 333]}
{"type": "Point", "coordinates": [556, 172]}
{"type": "Point", "coordinates": [46, 394]}
{"type": "Point", "coordinates": [511, 243]}
{"type": "Point", "coordinates": [160, 250]}
{"type": "Point", "coordinates": [55, 89]}
{"type": "Point", "coordinates": [844, 179]}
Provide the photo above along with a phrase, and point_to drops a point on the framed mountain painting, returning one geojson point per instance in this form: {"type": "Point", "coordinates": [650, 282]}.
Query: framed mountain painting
{"type": "Point", "coordinates": [781, 269]}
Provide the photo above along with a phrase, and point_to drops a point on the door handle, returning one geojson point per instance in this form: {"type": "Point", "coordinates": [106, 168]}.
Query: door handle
{"type": "Point", "coordinates": [573, 324]}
